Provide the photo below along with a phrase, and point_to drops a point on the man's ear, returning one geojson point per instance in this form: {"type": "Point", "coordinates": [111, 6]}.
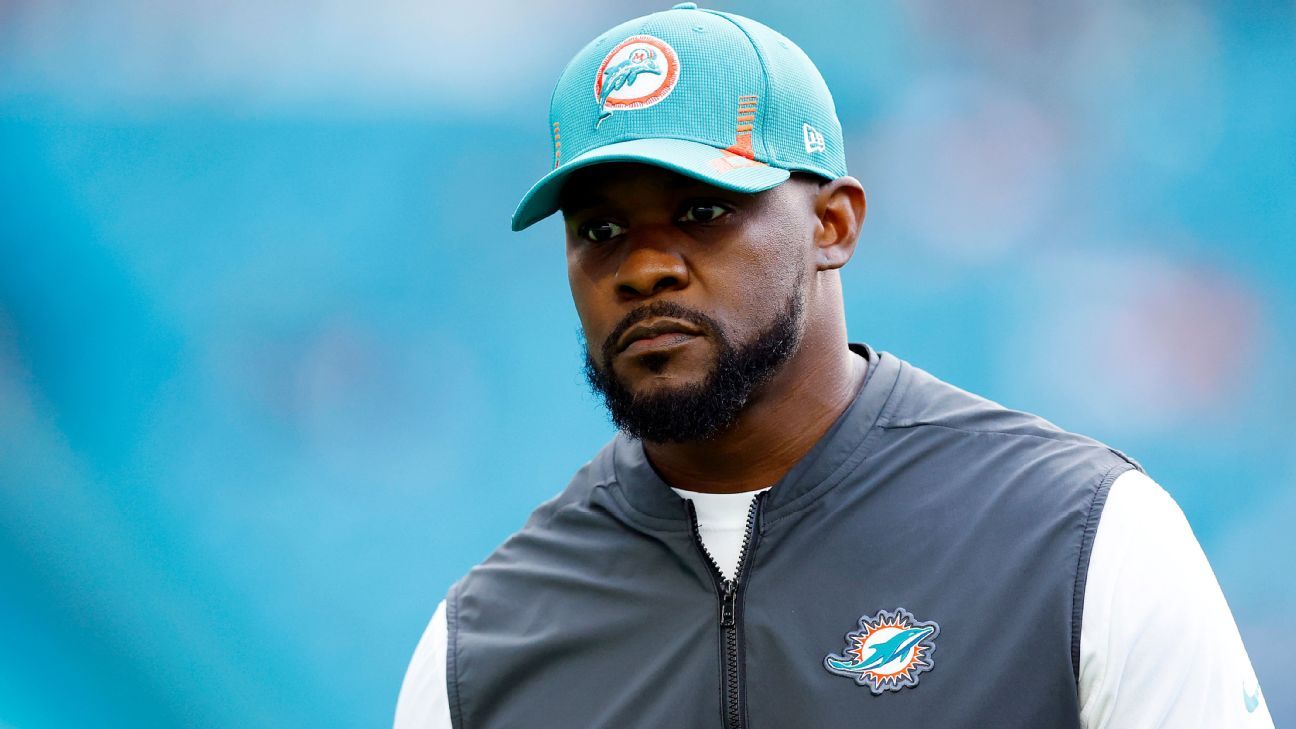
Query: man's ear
{"type": "Point", "coordinates": [840, 207]}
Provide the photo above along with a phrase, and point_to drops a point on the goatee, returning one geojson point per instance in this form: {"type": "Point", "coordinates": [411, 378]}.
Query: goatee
{"type": "Point", "coordinates": [698, 411]}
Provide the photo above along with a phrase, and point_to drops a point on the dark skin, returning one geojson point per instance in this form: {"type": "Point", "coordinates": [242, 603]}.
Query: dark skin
{"type": "Point", "coordinates": [637, 233]}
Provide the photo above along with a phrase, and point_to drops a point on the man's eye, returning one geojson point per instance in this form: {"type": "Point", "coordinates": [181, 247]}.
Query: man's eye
{"type": "Point", "coordinates": [600, 230]}
{"type": "Point", "coordinates": [704, 213]}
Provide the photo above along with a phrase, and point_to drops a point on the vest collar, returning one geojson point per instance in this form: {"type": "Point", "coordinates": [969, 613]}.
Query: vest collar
{"type": "Point", "coordinates": [831, 458]}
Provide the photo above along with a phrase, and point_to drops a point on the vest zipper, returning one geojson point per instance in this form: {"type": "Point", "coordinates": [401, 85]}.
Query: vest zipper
{"type": "Point", "coordinates": [734, 706]}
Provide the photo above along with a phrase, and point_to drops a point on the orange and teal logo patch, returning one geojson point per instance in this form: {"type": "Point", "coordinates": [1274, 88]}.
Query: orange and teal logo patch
{"type": "Point", "coordinates": [887, 652]}
{"type": "Point", "coordinates": [639, 72]}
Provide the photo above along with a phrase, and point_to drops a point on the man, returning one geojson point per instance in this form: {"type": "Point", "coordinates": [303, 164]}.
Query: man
{"type": "Point", "coordinates": [791, 530]}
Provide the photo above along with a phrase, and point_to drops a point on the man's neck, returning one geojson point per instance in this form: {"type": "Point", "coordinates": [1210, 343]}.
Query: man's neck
{"type": "Point", "coordinates": [775, 431]}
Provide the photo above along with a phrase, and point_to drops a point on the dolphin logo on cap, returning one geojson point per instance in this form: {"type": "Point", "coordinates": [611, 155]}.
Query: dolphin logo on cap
{"type": "Point", "coordinates": [620, 81]}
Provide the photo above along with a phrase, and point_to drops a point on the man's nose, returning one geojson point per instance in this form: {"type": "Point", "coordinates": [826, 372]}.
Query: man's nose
{"type": "Point", "coordinates": [651, 265]}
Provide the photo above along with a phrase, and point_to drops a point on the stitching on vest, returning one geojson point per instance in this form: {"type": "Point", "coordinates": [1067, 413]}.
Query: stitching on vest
{"type": "Point", "coordinates": [1132, 462]}
{"type": "Point", "coordinates": [584, 502]}
{"type": "Point", "coordinates": [1087, 533]}
{"type": "Point", "coordinates": [452, 649]}
{"type": "Point", "coordinates": [1089, 442]}
{"type": "Point", "coordinates": [610, 482]}
{"type": "Point", "coordinates": [616, 490]}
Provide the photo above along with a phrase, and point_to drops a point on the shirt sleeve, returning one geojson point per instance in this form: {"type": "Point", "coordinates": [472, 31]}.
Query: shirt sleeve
{"type": "Point", "coordinates": [1158, 644]}
{"type": "Point", "coordinates": [424, 702]}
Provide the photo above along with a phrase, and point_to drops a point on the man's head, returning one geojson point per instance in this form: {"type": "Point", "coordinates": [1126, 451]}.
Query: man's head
{"type": "Point", "coordinates": [692, 297]}
{"type": "Point", "coordinates": [699, 168]}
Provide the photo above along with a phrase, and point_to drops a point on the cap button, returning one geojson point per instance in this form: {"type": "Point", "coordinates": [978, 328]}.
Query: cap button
{"type": "Point", "coordinates": [684, 6]}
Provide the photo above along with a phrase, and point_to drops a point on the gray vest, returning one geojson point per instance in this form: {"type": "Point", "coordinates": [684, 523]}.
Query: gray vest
{"type": "Point", "coordinates": [923, 566]}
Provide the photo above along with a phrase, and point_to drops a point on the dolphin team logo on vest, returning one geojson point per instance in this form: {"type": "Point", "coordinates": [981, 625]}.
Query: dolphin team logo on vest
{"type": "Point", "coordinates": [639, 72]}
{"type": "Point", "coordinates": [887, 652]}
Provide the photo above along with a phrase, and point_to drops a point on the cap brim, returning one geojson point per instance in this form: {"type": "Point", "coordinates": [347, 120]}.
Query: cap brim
{"type": "Point", "coordinates": [693, 159]}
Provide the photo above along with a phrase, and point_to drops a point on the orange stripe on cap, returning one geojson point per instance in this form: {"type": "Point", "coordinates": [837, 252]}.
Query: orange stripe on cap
{"type": "Point", "coordinates": [742, 146]}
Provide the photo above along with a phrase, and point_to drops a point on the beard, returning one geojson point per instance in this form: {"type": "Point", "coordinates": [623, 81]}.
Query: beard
{"type": "Point", "coordinates": [697, 411]}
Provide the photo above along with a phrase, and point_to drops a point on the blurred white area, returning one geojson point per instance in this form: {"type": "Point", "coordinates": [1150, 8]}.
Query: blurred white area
{"type": "Point", "coordinates": [400, 54]}
{"type": "Point", "coordinates": [969, 168]}
{"type": "Point", "coordinates": [1155, 68]}
{"type": "Point", "coordinates": [351, 402]}
{"type": "Point", "coordinates": [1139, 340]}
{"type": "Point", "coordinates": [1020, 113]}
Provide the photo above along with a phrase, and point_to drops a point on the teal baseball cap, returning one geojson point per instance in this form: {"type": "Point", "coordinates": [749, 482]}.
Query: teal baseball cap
{"type": "Point", "coordinates": [711, 95]}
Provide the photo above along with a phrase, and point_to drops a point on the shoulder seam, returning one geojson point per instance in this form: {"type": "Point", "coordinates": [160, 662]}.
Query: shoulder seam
{"type": "Point", "coordinates": [1090, 441]}
{"type": "Point", "coordinates": [1087, 534]}
{"type": "Point", "coordinates": [582, 503]}
{"type": "Point", "coordinates": [452, 657]}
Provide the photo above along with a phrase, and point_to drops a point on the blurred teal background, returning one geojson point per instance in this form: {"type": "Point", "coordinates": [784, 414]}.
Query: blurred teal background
{"type": "Point", "coordinates": [274, 371]}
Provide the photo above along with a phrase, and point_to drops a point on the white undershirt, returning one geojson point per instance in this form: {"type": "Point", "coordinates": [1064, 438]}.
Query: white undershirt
{"type": "Point", "coordinates": [1158, 644]}
{"type": "Point", "coordinates": [722, 524]}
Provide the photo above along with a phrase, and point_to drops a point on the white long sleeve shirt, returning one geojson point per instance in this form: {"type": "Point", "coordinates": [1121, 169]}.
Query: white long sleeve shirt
{"type": "Point", "coordinates": [1158, 644]}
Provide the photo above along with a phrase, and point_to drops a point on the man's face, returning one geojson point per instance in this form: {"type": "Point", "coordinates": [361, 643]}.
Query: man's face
{"type": "Point", "coordinates": [690, 296]}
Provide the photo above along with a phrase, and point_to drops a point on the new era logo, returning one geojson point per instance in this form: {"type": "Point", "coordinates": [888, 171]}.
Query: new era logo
{"type": "Point", "coordinates": [814, 141]}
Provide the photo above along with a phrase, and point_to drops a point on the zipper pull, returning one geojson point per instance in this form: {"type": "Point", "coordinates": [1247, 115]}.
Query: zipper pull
{"type": "Point", "coordinates": [728, 605]}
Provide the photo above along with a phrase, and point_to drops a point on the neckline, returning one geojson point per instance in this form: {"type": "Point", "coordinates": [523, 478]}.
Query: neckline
{"type": "Point", "coordinates": [725, 511]}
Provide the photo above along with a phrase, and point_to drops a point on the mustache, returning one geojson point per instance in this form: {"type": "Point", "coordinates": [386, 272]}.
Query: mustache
{"type": "Point", "coordinates": [660, 308]}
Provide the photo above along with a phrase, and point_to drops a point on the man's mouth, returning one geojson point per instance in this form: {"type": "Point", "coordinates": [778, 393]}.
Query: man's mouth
{"type": "Point", "coordinates": [657, 334]}
{"type": "Point", "coordinates": [659, 342]}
